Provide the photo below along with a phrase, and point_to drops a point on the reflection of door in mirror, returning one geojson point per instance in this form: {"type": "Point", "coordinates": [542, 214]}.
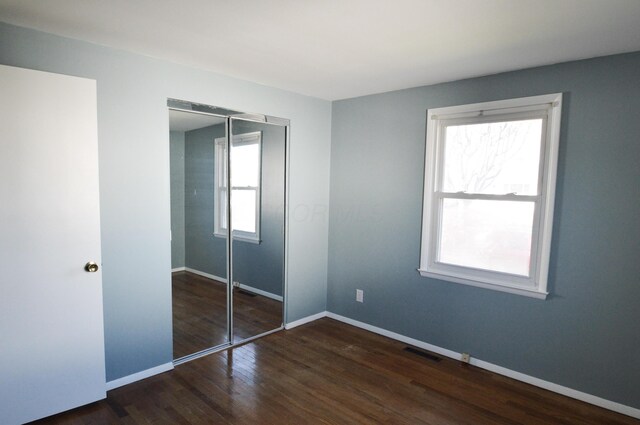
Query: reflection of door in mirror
{"type": "Point", "coordinates": [198, 257]}
{"type": "Point", "coordinates": [257, 205]}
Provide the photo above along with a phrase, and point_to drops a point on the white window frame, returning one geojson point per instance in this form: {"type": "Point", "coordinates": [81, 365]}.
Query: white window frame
{"type": "Point", "coordinates": [549, 107]}
{"type": "Point", "coordinates": [220, 186]}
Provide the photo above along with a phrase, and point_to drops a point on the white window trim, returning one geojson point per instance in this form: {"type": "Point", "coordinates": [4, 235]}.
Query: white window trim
{"type": "Point", "coordinates": [220, 148]}
{"type": "Point", "coordinates": [535, 285]}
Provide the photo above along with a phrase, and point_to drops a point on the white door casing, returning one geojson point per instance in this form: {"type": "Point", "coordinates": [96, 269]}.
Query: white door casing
{"type": "Point", "coordinates": [51, 320]}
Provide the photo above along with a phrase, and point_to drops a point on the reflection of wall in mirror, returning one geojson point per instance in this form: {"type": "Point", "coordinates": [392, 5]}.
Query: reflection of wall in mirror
{"type": "Point", "coordinates": [204, 252]}
{"type": "Point", "coordinates": [255, 265]}
{"type": "Point", "coordinates": [176, 146]}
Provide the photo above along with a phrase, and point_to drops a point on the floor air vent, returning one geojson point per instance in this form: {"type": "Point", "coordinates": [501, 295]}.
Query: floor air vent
{"type": "Point", "coordinates": [423, 354]}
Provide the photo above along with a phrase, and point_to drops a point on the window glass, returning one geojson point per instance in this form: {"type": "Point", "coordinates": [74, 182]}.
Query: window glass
{"type": "Point", "coordinates": [492, 158]}
{"type": "Point", "coordinates": [489, 235]}
{"type": "Point", "coordinates": [244, 210]}
{"type": "Point", "coordinates": [245, 160]}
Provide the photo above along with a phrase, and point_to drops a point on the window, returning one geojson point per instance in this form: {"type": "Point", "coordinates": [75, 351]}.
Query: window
{"type": "Point", "coordinates": [245, 189]}
{"type": "Point", "coordinates": [490, 174]}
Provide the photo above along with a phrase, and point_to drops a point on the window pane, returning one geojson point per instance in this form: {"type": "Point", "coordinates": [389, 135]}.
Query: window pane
{"type": "Point", "coordinates": [243, 210]}
{"type": "Point", "coordinates": [245, 165]}
{"type": "Point", "coordinates": [493, 158]}
{"type": "Point", "coordinates": [489, 235]}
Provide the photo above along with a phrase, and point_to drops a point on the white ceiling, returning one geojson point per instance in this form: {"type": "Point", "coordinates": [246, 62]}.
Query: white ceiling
{"type": "Point", "coordinates": [187, 121]}
{"type": "Point", "coordinates": [336, 49]}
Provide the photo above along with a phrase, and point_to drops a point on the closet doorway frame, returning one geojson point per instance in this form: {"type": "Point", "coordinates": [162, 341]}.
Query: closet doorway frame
{"type": "Point", "coordinates": [228, 115]}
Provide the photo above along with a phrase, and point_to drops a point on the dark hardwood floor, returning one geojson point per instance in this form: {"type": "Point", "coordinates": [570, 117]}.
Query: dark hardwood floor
{"type": "Point", "coordinates": [327, 372]}
{"type": "Point", "coordinates": [254, 314]}
{"type": "Point", "coordinates": [200, 313]}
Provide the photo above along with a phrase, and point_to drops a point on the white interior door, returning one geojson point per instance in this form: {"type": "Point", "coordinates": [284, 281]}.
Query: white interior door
{"type": "Point", "coordinates": [51, 324]}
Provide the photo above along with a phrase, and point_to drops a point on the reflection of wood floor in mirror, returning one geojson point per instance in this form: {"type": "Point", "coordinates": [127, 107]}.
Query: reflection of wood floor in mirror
{"type": "Point", "coordinates": [200, 313]}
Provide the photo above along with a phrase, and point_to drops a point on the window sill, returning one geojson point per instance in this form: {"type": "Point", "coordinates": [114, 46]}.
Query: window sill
{"type": "Point", "coordinates": [239, 238]}
{"type": "Point", "coordinates": [533, 293]}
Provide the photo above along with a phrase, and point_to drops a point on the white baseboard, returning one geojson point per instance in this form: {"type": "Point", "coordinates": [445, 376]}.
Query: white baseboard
{"type": "Point", "coordinates": [178, 269]}
{"type": "Point", "coordinates": [260, 292]}
{"type": "Point", "coordinates": [569, 392]}
{"type": "Point", "coordinates": [396, 336]}
{"type": "Point", "coordinates": [207, 275]}
{"type": "Point", "coordinates": [304, 320]}
{"type": "Point", "coordinates": [241, 286]}
{"type": "Point", "coordinates": [138, 376]}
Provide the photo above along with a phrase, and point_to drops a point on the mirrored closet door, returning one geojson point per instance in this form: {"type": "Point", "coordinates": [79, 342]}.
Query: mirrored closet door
{"type": "Point", "coordinates": [226, 290]}
{"type": "Point", "coordinates": [257, 251]}
{"type": "Point", "coordinates": [198, 257]}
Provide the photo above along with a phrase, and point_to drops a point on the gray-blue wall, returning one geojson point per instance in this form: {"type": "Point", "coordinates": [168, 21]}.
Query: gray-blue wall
{"type": "Point", "coordinates": [204, 252]}
{"type": "Point", "coordinates": [585, 336]}
{"type": "Point", "coordinates": [133, 138]}
{"type": "Point", "coordinates": [176, 147]}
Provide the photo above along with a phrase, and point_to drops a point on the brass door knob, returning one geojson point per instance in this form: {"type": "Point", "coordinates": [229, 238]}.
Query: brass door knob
{"type": "Point", "coordinates": [91, 267]}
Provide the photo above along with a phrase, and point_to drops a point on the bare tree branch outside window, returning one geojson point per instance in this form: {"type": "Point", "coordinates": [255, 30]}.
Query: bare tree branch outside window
{"type": "Point", "coordinates": [476, 154]}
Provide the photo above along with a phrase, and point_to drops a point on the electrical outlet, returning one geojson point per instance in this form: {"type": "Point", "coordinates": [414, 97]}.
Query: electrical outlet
{"type": "Point", "coordinates": [236, 283]}
{"type": "Point", "coordinates": [465, 358]}
{"type": "Point", "coordinates": [359, 295]}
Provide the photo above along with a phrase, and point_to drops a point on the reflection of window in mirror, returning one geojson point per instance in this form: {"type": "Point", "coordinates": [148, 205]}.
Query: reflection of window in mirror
{"type": "Point", "coordinates": [245, 189]}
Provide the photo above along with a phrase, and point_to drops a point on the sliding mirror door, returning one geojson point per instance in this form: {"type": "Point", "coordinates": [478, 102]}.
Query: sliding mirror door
{"type": "Point", "coordinates": [228, 203]}
{"type": "Point", "coordinates": [257, 177]}
{"type": "Point", "coordinates": [198, 248]}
